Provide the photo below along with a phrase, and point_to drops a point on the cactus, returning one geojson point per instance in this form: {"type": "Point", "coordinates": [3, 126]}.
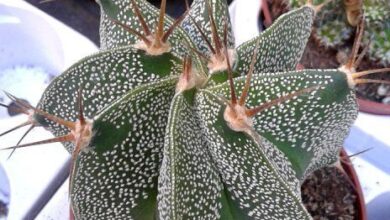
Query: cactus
{"type": "Point", "coordinates": [171, 121]}
{"type": "Point", "coordinates": [336, 20]}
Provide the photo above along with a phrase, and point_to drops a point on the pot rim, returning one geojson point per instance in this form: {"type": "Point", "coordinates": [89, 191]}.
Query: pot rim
{"type": "Point", "coordinates": [372, 107]}
{"type": "Point", "coordinates": [350, 171]}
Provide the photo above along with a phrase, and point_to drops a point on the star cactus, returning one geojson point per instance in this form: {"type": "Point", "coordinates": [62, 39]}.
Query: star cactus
{"type": "Point", "coordinates": [171, 121]}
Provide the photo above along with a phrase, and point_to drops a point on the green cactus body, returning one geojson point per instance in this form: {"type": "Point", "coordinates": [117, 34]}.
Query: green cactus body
{"type": "Point", "coordinates": [293, 127]}
{"type": "Point", "coordinates": [162, 145]}
{"type": "Point", "coordinates": [104, 77]}
{"type": "Point", "coordinates": [274, 57]}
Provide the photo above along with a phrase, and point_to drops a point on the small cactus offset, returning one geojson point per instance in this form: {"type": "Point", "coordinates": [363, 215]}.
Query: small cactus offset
{"type": "Point", "coordinates": [336, 20]}
{"type": "Point", "coordinates": [171, 121]}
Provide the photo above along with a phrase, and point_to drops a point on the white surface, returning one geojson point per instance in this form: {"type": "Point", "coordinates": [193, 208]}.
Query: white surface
{"type": "Point", "coordinates": [372, 167]}
{"type": "Point", "coordinates": [58, 206]}
{"type": "Point", "coordinates": [244, 15]}
{"type": "Point", "coordinates": [375, 125]}
{"type": "Point", "coordinates": [29, 170]}
{"type": "Point", "coordinates": [373, 180]}
{"type": "Point", "coordinates": [4, 186]}
{"type": "Point", "coordinates": [23, 81]}
{"type": "Point", "coordinates": [32, 38]}
{"type": "Point", "coordinates": [73, 44]}
{"type": "Point", "coordinates": [22, 39]}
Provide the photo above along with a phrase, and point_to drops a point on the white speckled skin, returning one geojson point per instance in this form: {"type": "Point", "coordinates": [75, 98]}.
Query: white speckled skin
{"type": "Point", "coordinates": [189, 183]}
{"type": "Point", "coordinates": [158, 152]}
{"type": "Point", "coordinates": [103, 77]}
{"type": "Point", "coordinates": [112, 181]}
{"type": "Point", "coordinates": [200, 14]}
{"type": "Point", "coordinates": [243, 161]}
{"type": "Point", "coordinates": [280, 46]}
{"type": "Point", "coordinates": [294, 125]}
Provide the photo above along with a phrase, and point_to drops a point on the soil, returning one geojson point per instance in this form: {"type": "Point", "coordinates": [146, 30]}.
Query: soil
{"type": "Point", "coordinates": [317, 56]}
{"type": "Point", "coordinates": [328, 195]}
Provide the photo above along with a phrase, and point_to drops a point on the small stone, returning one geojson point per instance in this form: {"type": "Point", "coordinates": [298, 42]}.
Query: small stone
{"type": "Point", "coordinates": [383, 90]}
{"type": "Point", "coordinates": [386, 100]}
{"type": "Point", "coordinates": [342, 56]}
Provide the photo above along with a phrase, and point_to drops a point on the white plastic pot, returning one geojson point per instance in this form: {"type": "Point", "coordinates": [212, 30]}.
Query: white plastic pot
{"type": "Point", "coordinates": [244, 16]}
{"type": "Point", "coordinates": [31, 38]}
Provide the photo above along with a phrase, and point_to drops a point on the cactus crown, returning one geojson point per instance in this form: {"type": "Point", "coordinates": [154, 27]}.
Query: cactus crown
{"type": "Point", "coordinates": [157, 130]}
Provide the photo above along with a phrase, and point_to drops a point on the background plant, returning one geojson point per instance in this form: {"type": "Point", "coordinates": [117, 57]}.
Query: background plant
{"type": "Point", "coordinates": [170, 120]}
{"type": "Point", "coordinates": [337, 19]}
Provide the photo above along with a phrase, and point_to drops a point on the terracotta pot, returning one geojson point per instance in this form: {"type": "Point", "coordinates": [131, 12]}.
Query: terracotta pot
{"type": "Point", "coordinates": [71, 215]}
{"type": "Point", "coordinates": [348, 168]}
{"type": "Point", "coordinates": [371, 107]}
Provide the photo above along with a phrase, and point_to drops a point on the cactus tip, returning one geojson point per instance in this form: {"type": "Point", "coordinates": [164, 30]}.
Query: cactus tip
{"type": "Point", "coordinates": [354, 60]}
{"type": "Point", "coordinates": [238, 117]}
{"type": "Point", "coordinates": [153, 43]}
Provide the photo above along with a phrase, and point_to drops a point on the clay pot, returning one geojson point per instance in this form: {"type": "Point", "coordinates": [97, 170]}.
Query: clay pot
{"type": "Point", "coordinates": [348, 168]}
{"type": "Point", "coordinates": [371, 107]}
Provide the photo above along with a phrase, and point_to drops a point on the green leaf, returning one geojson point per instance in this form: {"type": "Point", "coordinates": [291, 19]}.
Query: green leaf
{"type": "Point", "coordinates": [189, 185]}
{"type": "Point", "coordinates": [309, 129]}
{"type": "Point", "coordinates": [117, 177]}
{"type": "Point", "coordinates": [200, 14]}
{"type": "Point", "coordinates": [280, 46]}
{"type": "Point", "coordinates": [256, 182]}
{"type": "Point", "coordinates": [103, 78]}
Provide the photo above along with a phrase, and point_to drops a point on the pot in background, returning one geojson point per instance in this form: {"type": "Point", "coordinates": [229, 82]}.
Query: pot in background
{"type": "Point", "coordinates": [350, 171]}
{"type": "Point", "coordinates": [371, 107]}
